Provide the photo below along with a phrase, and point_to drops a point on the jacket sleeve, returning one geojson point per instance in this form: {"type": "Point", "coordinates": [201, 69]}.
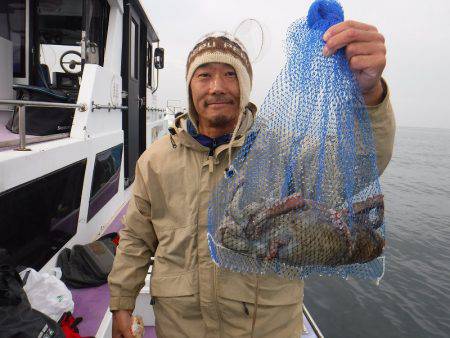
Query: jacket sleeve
{"type": "Point", "coordinates": [137, 245]}
{"type": "Point", "coordinates": [383, 127]}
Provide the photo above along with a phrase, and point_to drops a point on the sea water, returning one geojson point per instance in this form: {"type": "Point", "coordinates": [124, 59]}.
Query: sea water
{"type": "Point", "coordinates": [413, 298]}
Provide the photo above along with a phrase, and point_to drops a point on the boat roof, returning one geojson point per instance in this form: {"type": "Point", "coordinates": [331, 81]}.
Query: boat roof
{"type": "Point", "coordinates": [145, 15]}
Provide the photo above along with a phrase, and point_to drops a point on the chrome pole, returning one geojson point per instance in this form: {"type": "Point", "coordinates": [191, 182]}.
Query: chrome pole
{"type": "Point", "coordinates": [21, 104]}
{"type": "Point", "coordinates": [108, 106]}
{"type": "Point", "coordinates": [161, 110]}
{"type": "Point", "coordinates": [81, 107]}
{"type": "Point", "coordinates": [22, 131]}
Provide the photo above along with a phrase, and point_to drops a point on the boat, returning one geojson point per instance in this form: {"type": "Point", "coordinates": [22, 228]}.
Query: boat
{"type": "Point", "coordinates": [78, 106]}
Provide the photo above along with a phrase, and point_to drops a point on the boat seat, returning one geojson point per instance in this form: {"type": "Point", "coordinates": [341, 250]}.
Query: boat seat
{"type": "Point", "coordinates": [44, 76]}
{"type": "Point", "coordinates": [50, 93]}
{"type": "Point", "coordinates": [43, 121]}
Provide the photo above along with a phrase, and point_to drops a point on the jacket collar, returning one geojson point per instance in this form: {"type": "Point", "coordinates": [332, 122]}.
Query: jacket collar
{"type": "Point", "coordinates": [182, 136]}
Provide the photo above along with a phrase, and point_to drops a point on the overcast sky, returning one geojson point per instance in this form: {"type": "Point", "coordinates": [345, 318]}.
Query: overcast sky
{"type": "Point", "coordinates": [417, 37]}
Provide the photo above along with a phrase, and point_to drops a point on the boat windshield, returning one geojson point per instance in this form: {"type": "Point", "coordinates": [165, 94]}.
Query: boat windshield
{"type": "Point", "coordinates": [12, 27]}
{"type": "Point", "coordinates": [60, 22]}
{"type": "Point", "coordinates": [70, 33]}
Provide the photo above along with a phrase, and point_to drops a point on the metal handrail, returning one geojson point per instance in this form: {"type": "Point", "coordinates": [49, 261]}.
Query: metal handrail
{"type": "Point", "coordinates": [108, 106]}
{"type": "Point", "coordinates": [313, 324]}
{"type": "Point", "coordinates": [21, 104]}
{"type": "Point", "coordinates": [162, 110]}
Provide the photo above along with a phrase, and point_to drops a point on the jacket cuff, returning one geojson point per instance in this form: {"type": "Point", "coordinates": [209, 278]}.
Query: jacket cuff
{"type": "Point", "coordinates": [383, 126]}
{"type": "Point", "coordinates": [122, 303]}
{"type": "Point", "coordinates": [382, 107]}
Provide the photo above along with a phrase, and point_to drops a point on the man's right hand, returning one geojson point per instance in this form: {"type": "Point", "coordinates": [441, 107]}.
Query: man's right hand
{"type": "Point", "coordinates": [121, 324]}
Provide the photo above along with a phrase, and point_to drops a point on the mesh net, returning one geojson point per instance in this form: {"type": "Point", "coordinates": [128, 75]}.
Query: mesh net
{"type": "Point", "coordinates": [302, 195]}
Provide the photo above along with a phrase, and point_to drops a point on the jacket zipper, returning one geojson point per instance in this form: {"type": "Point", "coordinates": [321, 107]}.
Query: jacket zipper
{"type": "Point", "coordinates": [211, 156]}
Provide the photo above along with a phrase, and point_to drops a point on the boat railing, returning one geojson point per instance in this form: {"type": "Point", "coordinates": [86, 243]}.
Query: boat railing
{"type": "Point", "coordinates": [21, 104]}
{"type": "Point", "coordinates": [312, 323]}
{"type": "Point", "coordinates": [155, 113]}
{"type": "Point", "coordinates": [175, 106]}
{"type": "Point", "coordinates": [108, 106]}
{"type": "Point", "coordinates": [161, 110]}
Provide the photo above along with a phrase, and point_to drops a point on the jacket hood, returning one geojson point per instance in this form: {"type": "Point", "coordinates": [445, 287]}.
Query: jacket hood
{"type": "Point", "coordinates": [182, 136]}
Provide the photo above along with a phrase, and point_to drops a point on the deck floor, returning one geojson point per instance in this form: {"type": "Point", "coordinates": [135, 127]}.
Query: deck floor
{"type": "Point", "coordinates": [9, 140]}
{"type": "Point", "coordinates": [92, 303]}
{"type": "Point", "coordinates": [6, 137]}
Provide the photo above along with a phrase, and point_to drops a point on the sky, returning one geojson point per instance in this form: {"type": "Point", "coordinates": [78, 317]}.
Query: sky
{"type": "Point", "coordinates": [417, 37]}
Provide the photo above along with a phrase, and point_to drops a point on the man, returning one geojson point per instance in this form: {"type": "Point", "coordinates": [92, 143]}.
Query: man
{"type": "Point", "coordinates": [167, 214]}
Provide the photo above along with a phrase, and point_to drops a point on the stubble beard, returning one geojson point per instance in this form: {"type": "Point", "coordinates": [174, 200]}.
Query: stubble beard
{"type": "Point", "coordinates": [221, 121]}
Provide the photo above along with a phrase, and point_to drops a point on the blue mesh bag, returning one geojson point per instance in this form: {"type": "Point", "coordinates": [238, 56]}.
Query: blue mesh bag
{"type": "Point", "coordinates": [303, 195]}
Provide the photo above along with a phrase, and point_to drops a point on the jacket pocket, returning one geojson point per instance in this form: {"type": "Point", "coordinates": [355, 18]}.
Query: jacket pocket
{"type": "Point", "coordinates": [174, 271]}
{"type": "Point", "coordinates": [174, 286]}
{"type": "Point", "coordinates": [272, 290]}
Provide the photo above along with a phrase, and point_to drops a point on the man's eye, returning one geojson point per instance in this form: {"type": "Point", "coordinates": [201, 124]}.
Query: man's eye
{"type": "Point", "coordinates": [203, 75]}
{"type": "Point", "coordinates": [231, 74]}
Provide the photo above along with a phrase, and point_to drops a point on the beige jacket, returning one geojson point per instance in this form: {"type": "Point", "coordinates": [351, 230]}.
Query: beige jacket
{"type": "Point", "coordinates": [167, 219]}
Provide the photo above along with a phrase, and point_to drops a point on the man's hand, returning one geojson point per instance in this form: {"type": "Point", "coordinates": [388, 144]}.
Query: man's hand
{"type": "Point", "coordinates": [121, 324]}
{"type": "Point", "coordinates": [365, 50]}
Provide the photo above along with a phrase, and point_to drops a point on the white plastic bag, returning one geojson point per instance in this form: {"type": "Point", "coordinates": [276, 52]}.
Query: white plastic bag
{"type": "Point", "coordinates": [47, 293]}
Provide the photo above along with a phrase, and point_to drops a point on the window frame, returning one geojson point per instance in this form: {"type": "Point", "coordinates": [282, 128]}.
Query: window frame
{"type": "Point", "coordinates": [134, 48]}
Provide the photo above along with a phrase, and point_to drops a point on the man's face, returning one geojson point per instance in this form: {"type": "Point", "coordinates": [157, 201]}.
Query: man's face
{"type": "Point", "coordinates": [215, 94]}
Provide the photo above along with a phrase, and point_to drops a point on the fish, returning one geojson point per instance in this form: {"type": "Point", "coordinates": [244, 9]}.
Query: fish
{"type": "Point", "coordinates": [303, 232]}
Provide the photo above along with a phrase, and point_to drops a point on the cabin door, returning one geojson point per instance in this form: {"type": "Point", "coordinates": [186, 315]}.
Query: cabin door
{"type": "Point", "coordinates": [133, 123]}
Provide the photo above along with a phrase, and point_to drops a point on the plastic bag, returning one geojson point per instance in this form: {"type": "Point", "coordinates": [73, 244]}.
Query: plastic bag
{"type": "Point", "coordinates": [47, 293]}
{"type": "Point", "coordinates": [17, 317]}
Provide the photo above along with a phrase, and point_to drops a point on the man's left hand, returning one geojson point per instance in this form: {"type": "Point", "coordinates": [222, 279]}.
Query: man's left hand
{"type": "Point", "coordinates": [365, 50]}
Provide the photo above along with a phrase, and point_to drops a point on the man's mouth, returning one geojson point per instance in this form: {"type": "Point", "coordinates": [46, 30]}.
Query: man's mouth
{"type": "Point", "coordinates": [218, 103]}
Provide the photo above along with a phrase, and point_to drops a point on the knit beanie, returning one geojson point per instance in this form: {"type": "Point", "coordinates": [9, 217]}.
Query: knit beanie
{"type": "Point", "coordinates": [220, 49]}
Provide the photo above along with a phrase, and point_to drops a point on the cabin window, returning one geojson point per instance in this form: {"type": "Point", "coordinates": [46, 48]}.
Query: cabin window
{"type": "Point", "coordinates": [60, 25]}
{"type": "Point", "coordinates": [134, 41]}
{"type": "Point", "coordinates": [105, 182]}
{"type": "Point", "coordinates": [60, 22]}
{"type": "Point", "coordinates": [12, 27]}
{"type": "Point", "coordinates": [96, 27]}
{"type": "Point", "coordinates": [39, 217]}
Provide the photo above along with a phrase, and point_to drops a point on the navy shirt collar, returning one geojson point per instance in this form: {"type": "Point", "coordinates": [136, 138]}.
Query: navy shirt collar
{"type": "Point", "coordinates": [206, 141]}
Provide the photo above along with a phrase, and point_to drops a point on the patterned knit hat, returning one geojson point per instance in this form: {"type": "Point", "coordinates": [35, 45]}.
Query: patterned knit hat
{"type": "Point", "coordinates": [222, 49]}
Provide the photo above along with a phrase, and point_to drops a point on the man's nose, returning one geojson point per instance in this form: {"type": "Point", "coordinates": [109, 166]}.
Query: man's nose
{"type": "Point", "coordinates": [217, 85]}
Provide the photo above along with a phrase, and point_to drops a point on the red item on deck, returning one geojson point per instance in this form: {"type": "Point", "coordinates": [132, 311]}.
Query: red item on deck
{"type": "Point", "coordinates": [116, 240]}
{"type": "Point", "coordinates": [69, 325]}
